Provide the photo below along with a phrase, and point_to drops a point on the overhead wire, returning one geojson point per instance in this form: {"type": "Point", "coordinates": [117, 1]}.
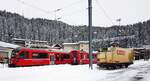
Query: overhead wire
{"type": "Point", "coordinates": [46, 11]}
{"type": "Point", "coordinates": [107, 16]}
{"type": "Point", "coordinates": [71, 4]}
{"type": "Point", "coordinates": [56, 10]}
{"type": "Point", "coordinates": [73, 13]}
{"type": "Point", "coordinates": [35, 7]}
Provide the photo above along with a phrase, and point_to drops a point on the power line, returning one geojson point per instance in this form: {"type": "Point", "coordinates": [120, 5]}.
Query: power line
{"type": "Point", "coordinates": [72, 13]}
{"type": "Point", "coordinates": [46, 11]}
{"type": "Point", "coordinates": [74, 3]}
{"type": "Point", "coordinates": [35, 7]}
{"type": "Point", "coordinates": [107, 16]}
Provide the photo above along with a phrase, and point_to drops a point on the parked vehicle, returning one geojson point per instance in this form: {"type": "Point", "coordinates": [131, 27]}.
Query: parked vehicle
{"type": "Point", "coordinates": [32, 57]}
{"type": "Point", "coordinates": [80, 57]}
{"type": "Point", "coordinates": [28, 57]}
{"type": "Point", "coordinates": [115, 57]}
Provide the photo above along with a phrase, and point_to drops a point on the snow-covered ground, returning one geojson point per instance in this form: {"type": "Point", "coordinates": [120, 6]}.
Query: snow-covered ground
{"type": "Point", "coordinates": [139, 71]}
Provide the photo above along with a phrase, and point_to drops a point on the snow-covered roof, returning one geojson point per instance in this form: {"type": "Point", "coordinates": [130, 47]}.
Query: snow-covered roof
{"type": "Point", "coordinates": [70, 43]}
{"type": "Point", "coordinates": [8, 45]}
{"type": "Point", "coordinates": [85, 42]}
{"type": "Point", "coordinates": [80, 42]}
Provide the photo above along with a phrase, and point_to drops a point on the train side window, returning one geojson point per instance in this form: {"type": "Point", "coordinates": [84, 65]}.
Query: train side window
{"type": "Point", "coordinates": [81, 55]}
{"type": "Point", "coordinates": [88, 56]}
{"type": "Point", "coordinates": [43, 55]}
{"type": "Point", "coordinates": [62, 57]}
{"type": "Point", "coordinates": [39, 55]}
{"type": "Point", "coordinates": [66, 56]}
{"type": "Point", "coordinates": [57, 57]}
{"type": "Point", "coordinates": [93, 56]}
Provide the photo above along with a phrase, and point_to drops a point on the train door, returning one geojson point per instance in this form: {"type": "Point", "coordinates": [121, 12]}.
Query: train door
{"type": "Point", "coordinates": [85, 58]}
{"type": "Point", "coordinates": [81, 58]}
{"type": "Point", "coordinates": [58, 58]}
{"type": "Point", "coordinates": [52, 59]}
{"type": "Point", "coordinates": [74, 58]}
{"type": "Point", "coordinates": [62, 58]}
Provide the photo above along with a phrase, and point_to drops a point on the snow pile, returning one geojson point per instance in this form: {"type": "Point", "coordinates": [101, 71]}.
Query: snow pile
{"type": "Point", "coordinates": [7, 45]}
{"type": "Point", "coordinates": [53, 73]}
{"type": "Point", "coordinates": [74, 73]}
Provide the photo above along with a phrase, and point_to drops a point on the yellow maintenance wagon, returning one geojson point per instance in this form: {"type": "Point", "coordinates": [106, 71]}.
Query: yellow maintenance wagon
{"type": "Point", "coordinates": [114, 57]}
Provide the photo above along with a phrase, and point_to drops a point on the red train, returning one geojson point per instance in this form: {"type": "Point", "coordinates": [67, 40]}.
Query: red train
{"type": "Point", "coordinates": [32, 57]}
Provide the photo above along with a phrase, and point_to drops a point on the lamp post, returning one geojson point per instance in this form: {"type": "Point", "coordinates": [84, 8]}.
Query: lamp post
{"type": "Point", "coordinates": [118, 20]}
{"type": "Point", "coordinates": [95, 33]}
{"type": "Point", "coordinates": [76, 38]}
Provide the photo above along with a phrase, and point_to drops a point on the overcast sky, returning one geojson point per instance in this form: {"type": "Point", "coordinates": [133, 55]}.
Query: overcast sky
{"type": "Point", "coordinates": [74, 12]}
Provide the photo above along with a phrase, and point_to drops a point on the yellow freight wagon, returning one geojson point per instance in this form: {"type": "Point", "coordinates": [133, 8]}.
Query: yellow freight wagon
{"type": "Point", "coordinates": [114, 57]}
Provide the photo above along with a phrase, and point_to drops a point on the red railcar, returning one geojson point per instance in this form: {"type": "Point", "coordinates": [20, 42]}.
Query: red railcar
{"type": "Point", "coordinates": [79, 57]}
{"type": "Point", "coordinates": [31, 57]}
{"type": "Point", "coordinates": [59, 58]}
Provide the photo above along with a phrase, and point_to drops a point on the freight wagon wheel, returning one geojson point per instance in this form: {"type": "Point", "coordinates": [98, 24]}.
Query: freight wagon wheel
{"type": "Point", "coordinates": [120, 66]}
{"type": "Point", "coordinates": [126, 66]}
{"type": "Point", "coordinates": [108, 67]}
{"type": "Point", "coordinates": [114, 67]}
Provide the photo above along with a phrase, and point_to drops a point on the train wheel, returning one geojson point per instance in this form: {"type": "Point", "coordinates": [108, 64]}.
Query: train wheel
{"type": "Point", "coordinates": [126, 66]}
{"type": "Point", "coordinates": [114, 67]}
{"type": "Point", "coordinates": [108, 67]}
{"type": "Point", "coordinates": [120, 66]}
{"type": "Point", "coordinates": [11, 65]}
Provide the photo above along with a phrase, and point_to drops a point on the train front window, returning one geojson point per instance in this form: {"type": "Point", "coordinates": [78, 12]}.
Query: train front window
{"type": "Point", "coordinates": [13, 54]}
{"type": "Point", "coordinates": [23, 55]}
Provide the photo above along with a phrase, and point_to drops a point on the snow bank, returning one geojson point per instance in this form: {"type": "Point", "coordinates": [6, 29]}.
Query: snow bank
{"type": "Point", "coordinates": [70, 73]}
{"type": "Point", "coordinates": [53, 73]}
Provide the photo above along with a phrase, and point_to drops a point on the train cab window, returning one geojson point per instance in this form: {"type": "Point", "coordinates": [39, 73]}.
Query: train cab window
{"type": "Point", "coordinates": [13, 53]}
{"type": "Point", "coordinates": [39, 55]}
{"type": "Point", "coordinates": [23, 55]}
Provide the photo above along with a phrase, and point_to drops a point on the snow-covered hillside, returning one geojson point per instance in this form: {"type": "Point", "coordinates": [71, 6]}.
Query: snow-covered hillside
{"type": "Point", "coordinates": [140, 70]}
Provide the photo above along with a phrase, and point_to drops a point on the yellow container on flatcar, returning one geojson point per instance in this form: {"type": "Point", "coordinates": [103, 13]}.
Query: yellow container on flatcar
{"type": "Point", "coordinates": [115, 56]}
